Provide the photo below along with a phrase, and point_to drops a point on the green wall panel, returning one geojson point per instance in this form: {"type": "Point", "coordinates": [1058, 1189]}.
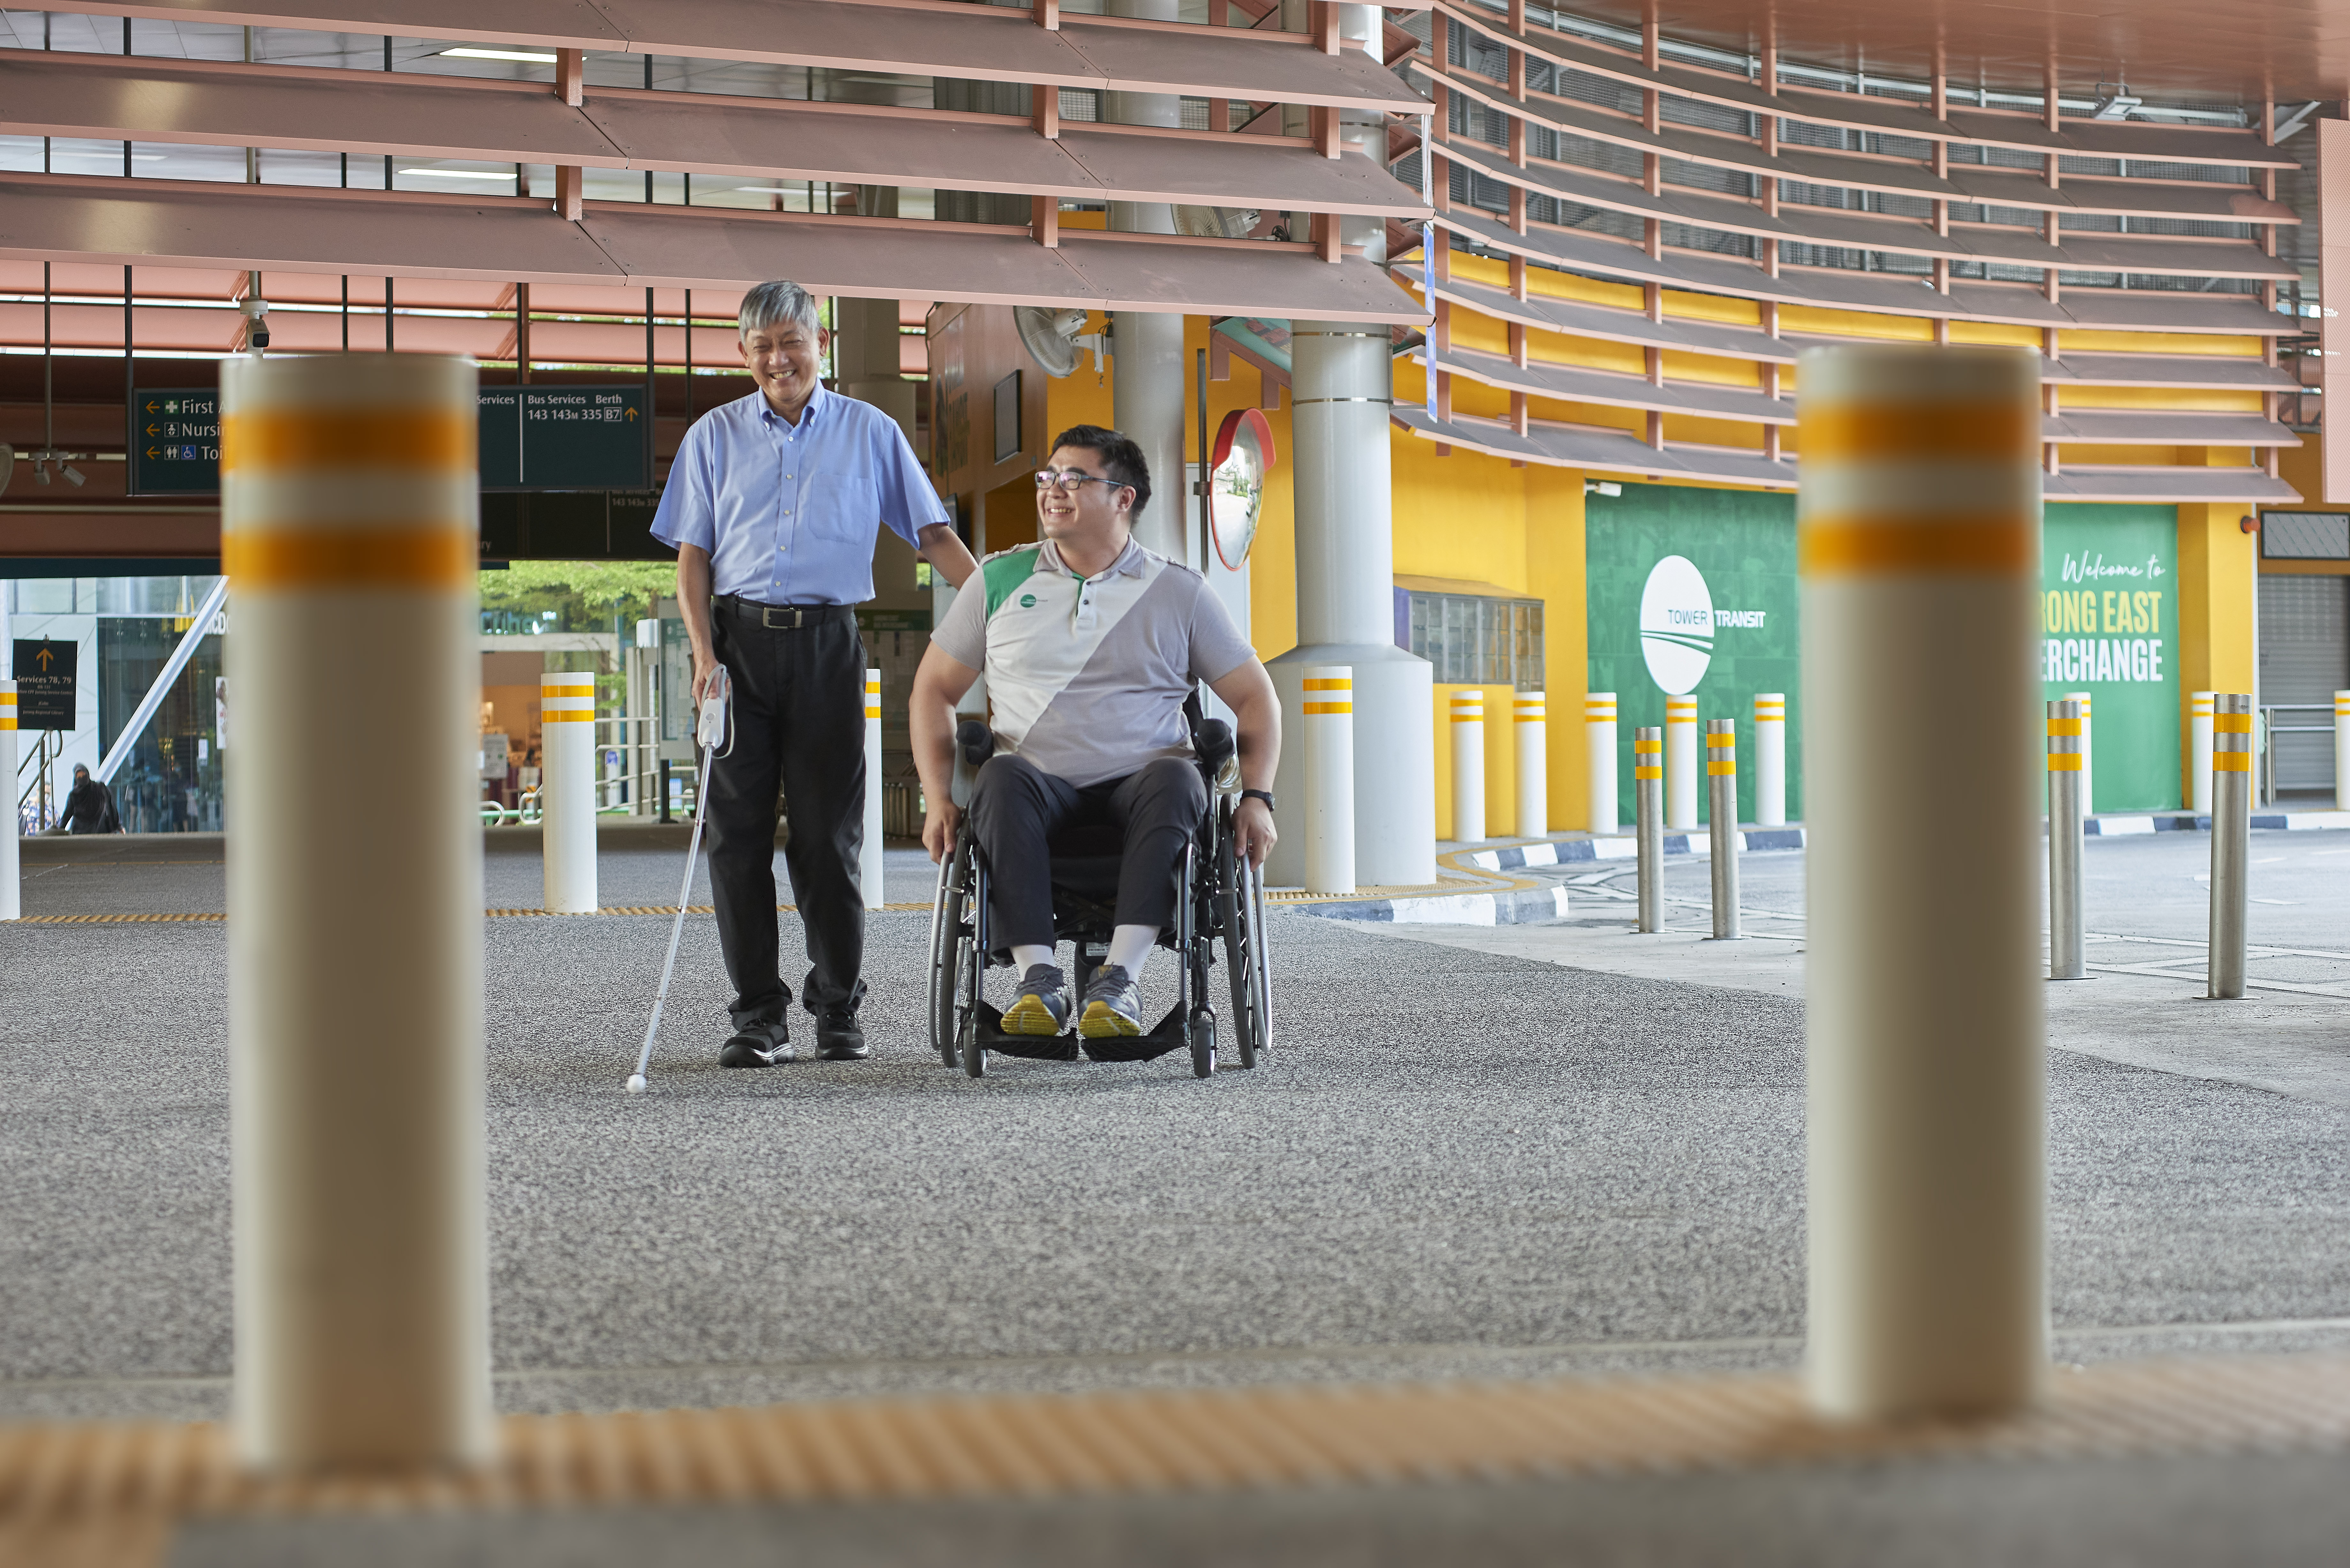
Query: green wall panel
{"type": "Point", "coordinates": [2109, 616]}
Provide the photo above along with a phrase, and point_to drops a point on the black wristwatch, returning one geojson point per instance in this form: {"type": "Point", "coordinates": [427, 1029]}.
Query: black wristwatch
{"type": "Point", "coordinates": [1264, 795]}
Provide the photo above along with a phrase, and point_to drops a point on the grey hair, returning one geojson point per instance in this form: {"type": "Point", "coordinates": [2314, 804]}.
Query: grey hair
{"type": "Point", "coordinates": [773, 304]}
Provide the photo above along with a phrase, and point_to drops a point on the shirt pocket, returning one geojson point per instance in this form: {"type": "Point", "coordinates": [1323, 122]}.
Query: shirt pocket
{"type": "Point", "coordinates": [843, 510]}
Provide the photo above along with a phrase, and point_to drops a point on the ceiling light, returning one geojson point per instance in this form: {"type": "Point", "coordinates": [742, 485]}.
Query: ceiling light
{"type": "Point", "coordinates": [463, 173]}
{"type": "Point", "coordinates": [522, 54]}
{"type": "Point", "coordinates": [73, 475]}
{"type": "Point", "coordinates": [2117, 106]}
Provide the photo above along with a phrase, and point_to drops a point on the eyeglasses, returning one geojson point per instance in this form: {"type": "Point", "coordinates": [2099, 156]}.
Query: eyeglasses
{"type": "Point", "coordinates": [1071, 479]}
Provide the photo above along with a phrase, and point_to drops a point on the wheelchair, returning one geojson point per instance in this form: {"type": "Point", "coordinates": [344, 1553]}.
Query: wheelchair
{"type": "Point", "coordinates": [1220, 906]}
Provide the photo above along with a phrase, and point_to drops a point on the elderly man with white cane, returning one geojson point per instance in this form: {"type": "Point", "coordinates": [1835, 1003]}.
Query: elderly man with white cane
{"type": "Point", "coordinates": [773, 504]}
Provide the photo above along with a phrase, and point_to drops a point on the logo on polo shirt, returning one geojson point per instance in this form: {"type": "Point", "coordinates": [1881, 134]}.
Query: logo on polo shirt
{"type": "Point", "coordinates": [1027, 601]}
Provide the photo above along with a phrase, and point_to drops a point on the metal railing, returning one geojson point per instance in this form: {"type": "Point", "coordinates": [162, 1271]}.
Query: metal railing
{"type": "Point", "coordinates": [2271, 729]}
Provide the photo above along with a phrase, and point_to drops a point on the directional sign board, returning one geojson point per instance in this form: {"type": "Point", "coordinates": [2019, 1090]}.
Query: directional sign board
{"type": "Point", "coordinates": [45, 683]}
{"type": "Point", "coordinates": [533, 438]}
{"type": "Point", "coordinates": [176, 447]}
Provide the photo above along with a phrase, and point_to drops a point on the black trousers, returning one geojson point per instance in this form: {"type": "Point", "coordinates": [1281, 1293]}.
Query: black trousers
{"type": "Point", "coordinates": [799, 727]}
{"type": "Point", "coordinates": [1015, 809]}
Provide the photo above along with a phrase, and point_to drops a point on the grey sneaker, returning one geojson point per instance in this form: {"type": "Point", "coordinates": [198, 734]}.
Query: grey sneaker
{"type": "Point", "coordinates": [1113, 1006]}
{"type": "Point", "coordinates": [1043, 1006]}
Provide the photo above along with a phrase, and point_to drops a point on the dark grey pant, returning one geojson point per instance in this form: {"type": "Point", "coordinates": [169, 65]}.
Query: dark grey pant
{"type": "Point", "coordinates": [799, 727]}
{"type": "Point", "coordinates": [1015, 809]}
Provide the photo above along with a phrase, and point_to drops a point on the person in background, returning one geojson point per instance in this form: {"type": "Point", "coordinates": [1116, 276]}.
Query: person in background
{"type": "Point", "coordinates": [89, 809]}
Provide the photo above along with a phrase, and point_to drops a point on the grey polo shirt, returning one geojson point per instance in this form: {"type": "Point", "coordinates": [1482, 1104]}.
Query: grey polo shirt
{"type": "Point", "coordinates": [1087, 675]}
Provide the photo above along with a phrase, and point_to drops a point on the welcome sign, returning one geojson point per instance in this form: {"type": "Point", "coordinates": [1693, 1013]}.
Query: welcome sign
{"type": "Point", "coordinates": [2108, 622]}
{"type": "Point", "coordinates": [1693, 592]}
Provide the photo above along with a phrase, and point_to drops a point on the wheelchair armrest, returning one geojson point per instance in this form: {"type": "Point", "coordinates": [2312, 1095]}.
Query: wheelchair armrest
{"type": "Point", "coordinates": [1213, 742]}
{"type": "Point", "coordinates": [974, 742]}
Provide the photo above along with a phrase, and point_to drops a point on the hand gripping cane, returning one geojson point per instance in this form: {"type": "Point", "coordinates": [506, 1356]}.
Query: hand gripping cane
{"type": "Point", "coordinates": [715, 724]}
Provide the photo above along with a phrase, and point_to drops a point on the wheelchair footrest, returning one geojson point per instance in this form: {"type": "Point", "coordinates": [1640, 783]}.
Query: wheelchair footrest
{"type": "Point", "coordinates": [1167, 1037]}
{"type": "Point", "coordinates": [1034, 1047]}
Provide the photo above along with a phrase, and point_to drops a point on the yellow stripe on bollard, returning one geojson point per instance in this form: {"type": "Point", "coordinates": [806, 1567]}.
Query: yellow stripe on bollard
{"type": "Point", "coordinates": [2231, 761]}
{"type": "Point", "coordinates": [1880, 432]}
{"type": "Point", "coordinates": [1329, 707]}
{"type": "Point", "coordinates": [1720, 768]}
{"type": "Point", "coordinates": [1640, 773]}
{"type": "Point", "coordinates": [567, 716]}
{"type": "Point", "coordinates": [2232, 723]}
{"type": "Point", "coordinates": [2064, 726]}
{"type": "Point", "coordinates": [1338, 684]}
{"type": "Point", "coordinates": [354, 558]}
{"type": "Point", "coordinates": [1842, 548]}
{"type": "Point", "coordinates": [2063, 762]}
{"type": "Point", "coordinates": [1650, 747]}
{"type": "Point", "coordinates": [285, 440]}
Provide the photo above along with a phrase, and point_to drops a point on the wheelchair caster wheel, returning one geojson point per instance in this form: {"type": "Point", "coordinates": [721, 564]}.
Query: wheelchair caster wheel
{"type": "Point", "coordinates": [1204, 1045]}
{"type": "Point", "coordinates": [974, 1054]}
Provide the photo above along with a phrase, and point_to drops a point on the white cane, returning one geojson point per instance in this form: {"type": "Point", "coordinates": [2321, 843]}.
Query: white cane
{"type": "Point", "coordinates": [715, 724]}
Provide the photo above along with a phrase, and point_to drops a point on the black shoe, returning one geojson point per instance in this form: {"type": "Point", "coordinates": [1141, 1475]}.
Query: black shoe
{"type": "Point", "coordinates": [757, 1045]}
{"type": "Point", "coordinates": [838, 1039]}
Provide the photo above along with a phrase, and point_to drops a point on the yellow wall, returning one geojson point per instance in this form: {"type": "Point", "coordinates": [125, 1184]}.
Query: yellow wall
{"type": "Point", "coordinates": [2216, 560]}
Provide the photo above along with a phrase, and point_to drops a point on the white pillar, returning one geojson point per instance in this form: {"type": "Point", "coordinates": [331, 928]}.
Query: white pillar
{"type": "Point", "coordinates": [1917, 543]}
{"type": "Point", "coordinates": [2198, 753]}
{"type": "Point", "coordinates": [1770, 759]}
{"type": "Point", "coordinates": [350, 529]}
{"type": "Point", "coordinates": [2341, 751]}
{"type": "Point", "coordinates": [1468, 766]}
{"type": "Point", "coordinates": [1599, 743]}
{"type": "Point", "coordinates": [1680, 764]}
{"type": "Point", "coordinates": [2088, 758]}
{"type": "Point", "coordinates": [12, 891]}
{"type": "Point", "coordinates": [1329, 803]}
{"type": "Point", "coordinates": [567, 791]}
{"type": "Point", "coordinates": [1342, 484]}
{"type": "Point", "coordinates": [870, 862]}
{"type": "Point", "coordinates": [1531, 732]}
{"type": "Point", "coordinates": [1148, 379]}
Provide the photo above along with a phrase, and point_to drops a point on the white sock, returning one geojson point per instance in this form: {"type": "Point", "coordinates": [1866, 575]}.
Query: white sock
{"type": "Point", "coordinates": [1030, 955]}
{"type": "Point", "coordinates": [1129, 949]}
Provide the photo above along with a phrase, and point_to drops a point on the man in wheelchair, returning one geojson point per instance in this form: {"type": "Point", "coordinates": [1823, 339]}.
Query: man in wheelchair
{"type": "Point", "coordinates": [1091, 645]}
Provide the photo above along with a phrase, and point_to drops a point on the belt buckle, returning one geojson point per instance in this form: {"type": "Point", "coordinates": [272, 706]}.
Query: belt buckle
{"type": "Point", "coordinates": [767, 614]}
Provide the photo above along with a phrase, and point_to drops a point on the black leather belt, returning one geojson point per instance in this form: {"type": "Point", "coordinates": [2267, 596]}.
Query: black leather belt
{"type": "Point", "coordinates": [785, 617]}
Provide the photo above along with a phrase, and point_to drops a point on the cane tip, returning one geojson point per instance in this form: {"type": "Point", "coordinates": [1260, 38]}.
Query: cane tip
{"type": "Point", "coordinates": [636, 1083]}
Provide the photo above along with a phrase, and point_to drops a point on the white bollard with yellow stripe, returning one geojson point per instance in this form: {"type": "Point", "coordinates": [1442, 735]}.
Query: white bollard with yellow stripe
{"type": "Point", "coordinates": [2231, 844]}
{"type": "Point", "coordinates": [1329, 778]}
{"type": "Point", "coordinates": [349, 531]}
{"type": "Point", "coordinates": [2341, 751]}
{"type": "Point", "coordinates": [1530, 727]}
{"type": "Point", "coordinates": [868, 860]}
{"type": "Point", "coordinates": [1721, 822]}
{"type": "Point", "coordinates": [1468, 766]}
{"type": "Point", "coordinates": [567, 791]}
{"type": "Point", "coordinates": [1599, 742]}
{"type": "Point", "coordinates": [2198, 753]}
{"type": "Point", "coordinates": [12, 888]}
{"type": "Point", "coordinates": [2088, 756]}
{"type": "Point", "coordinates": [1681, 763]}
{"type": "Point", "coordinates": [1917, 550]}
{"type": "Point", "coordinates": [1770, 759]}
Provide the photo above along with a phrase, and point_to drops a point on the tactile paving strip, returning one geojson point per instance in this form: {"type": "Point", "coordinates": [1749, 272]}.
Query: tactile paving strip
{"type": "Point", "coordinates": [108, 1493]}
{"type": "Point", "coordinates": [540, 914]}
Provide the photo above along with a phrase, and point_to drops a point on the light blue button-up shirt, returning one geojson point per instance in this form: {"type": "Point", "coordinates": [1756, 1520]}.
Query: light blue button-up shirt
{"type": "Point", "coordinates": [789, 513]}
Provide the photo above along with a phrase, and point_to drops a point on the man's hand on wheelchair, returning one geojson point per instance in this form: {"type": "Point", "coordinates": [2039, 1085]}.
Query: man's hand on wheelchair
{"type": "Point", "coordinates": [1253, 834]}
{"type": "Point", "coordinates": [939, 824]}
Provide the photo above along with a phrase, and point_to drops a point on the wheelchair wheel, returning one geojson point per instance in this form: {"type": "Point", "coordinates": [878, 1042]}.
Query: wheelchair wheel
{"type": "Point", "coordinates": [1241, 938]}
{"type": "Point", "coordinates": [974, 1054]}
{"type": "Point", "coordinates": [1202, 1040]}
{"type": "Point", "coordinates": [947, 948]}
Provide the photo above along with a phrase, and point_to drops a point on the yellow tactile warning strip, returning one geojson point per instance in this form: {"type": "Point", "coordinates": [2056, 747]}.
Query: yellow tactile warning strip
{"type": "Point", "coordinates": [546, 914]}
{"type": "Point", "coordinates": [108, 1493]}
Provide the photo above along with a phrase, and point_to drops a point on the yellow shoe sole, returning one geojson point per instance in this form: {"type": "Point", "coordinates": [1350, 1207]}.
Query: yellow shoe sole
{"type": "Point", "coordinates": [1029, 1016]}
{"type": "Point", "coordinates": [1103, 1022]}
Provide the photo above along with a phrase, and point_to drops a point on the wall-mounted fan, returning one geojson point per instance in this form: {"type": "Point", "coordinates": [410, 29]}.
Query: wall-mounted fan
{"type": "Point", "coordinates": [1216, 223]}
{"type": "Point", "coordinates": [1055, 337]}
